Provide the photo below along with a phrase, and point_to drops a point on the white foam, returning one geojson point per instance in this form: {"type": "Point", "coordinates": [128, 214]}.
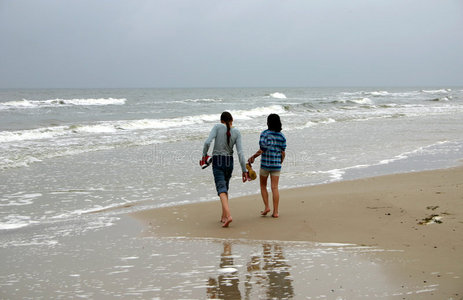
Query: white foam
{"type": "Point", "coordinates": [308, 124]}
{"type": "Point", "coordinates": [130, 258]}
{"type": "Point", "coordinates": [96, 128]}
{"type": "Point", "coordinates": [201, 100]}
{"type": "Point", "coordinates": [257, 112]}
{"type": "Point", "coordinates": [61, 102]}
{"type": "Point", "coordinates": [278, 95]}
{"type": "Point", "coordinates": [389, 105]}
{"type": "Point", "coordinates": [15, 222]}
{"type": "Point", "coordinates": [353, 93]}
{"type": "Point", "coordinates": [337, 174]}
{"type": "Point", "coordinates": [424, 149]}
{"type": "Point", "coordinates": [382, 93]}
{"type": "Point", "coordinates": [19, 199]}
{"type": "Point", "coordinates": [142, 124]}
{"type": "Point", "coordinates": [312, 123]}
{"type": "Point", "coordinates": [79, 212]}
{"type": "Point", "coordinates": [32, 134]}
{"type": "Point", "coordinates": [6, 163]}
{"type": "Point", "coordinates": [33, 242]}
{"type": "Point", "coordinates": [441, 91]}
{"type": "Point", "coordinates": [442, 99]}
{"type": "Point", "coordinates": [6, 226]}
{"type": "Point", "coordinates": [365, 101]}
{"type": "Point", "coordinates": [99, 101]}
{"type": "Point", "coordinates": [379, 93]}
{"type": "Point", "coordinates": [405, 94]}
{"type": "Point", "coordinates": [328, 121]}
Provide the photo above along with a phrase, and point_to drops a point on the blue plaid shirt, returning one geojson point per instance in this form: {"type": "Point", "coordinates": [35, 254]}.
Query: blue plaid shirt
{"type": "Point", "coordinates": [272, 143]}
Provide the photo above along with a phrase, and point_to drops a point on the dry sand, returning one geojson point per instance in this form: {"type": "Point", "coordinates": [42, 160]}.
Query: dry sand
{"type": "Point", "coordinates": [420, 214]}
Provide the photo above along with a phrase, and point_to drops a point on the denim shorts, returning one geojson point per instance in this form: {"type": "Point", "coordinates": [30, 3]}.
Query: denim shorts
{"type": "Point", "coordinates": [222, 168]}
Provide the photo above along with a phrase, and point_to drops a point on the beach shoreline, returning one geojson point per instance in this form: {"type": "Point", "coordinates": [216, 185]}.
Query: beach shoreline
{"type": "Point", "coordinates": [417, 217]}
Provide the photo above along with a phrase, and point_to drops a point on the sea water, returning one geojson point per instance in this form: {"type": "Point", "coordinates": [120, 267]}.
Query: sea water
{"type": "Point", "coordinates": [64, 153]}
{"type": "Point", "coordinates": [73, 161]}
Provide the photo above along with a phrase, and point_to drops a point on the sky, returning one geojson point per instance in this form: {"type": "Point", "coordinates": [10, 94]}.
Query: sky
{"type": "Point", "coordinates": [230, 43]}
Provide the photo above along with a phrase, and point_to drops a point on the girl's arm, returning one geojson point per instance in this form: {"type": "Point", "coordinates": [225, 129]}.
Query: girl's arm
{"type": "Point", "coordinates": [257, 154]}
{"type": "Point", "coordinates": [283, 155]}
{"type": "Point", "coordinates": [239, 149]}
{"type": "Point", "coordinates": [208, 142]}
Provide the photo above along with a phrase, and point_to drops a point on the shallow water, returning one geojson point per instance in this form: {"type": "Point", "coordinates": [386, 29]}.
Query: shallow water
{"type": "Point", "coordinates": [118, 263]}
{"type": "Point", "coordinates": [74, 162]}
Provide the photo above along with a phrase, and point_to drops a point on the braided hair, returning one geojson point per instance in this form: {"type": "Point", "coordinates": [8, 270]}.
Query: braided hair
{"type": "Point", "coordinates": [226, 117]}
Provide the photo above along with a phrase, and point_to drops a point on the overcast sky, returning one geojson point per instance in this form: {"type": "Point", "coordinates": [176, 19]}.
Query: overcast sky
{"type": "Point", "coordinates": [230, 43]}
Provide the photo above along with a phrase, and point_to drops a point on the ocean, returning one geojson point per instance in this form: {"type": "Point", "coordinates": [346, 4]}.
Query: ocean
{"type": "Point", "coordinates": [73, 161]}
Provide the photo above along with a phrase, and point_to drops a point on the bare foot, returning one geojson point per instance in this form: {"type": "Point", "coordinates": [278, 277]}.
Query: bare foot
{"type": "Point", "coordinates": [223, 220]}
{"type": "Point", "coordinates": [265, 212]}
{"type": "Point", "coordinates": [275, 215]}
{"type": "Point", "coordinates": [227, 221]}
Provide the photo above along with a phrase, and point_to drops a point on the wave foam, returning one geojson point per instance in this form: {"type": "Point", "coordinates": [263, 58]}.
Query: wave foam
{"type": "Point", "coordinates": [257, 112]}
{"type": "Point", "coordinates": [441, 91]}
{"type": "Point", "coordinates": [19, 199]}
{"type": "Point", "coordinates": [61, 102]}
{"type": "Point", "coordinates": [278, 95]}
{"type": "Point", "coordinates": [338, 174]}
{"type": "Point", "coordinates": [131, 125]}
{"type": "Point", "coordinates": [442, 99]}
{"type": "Point", "coordinates": [373, 93]}
{"type": "Point", "coordinates": [15, 222]}
{"type": "Point", "coordinates": [386, 93]}
{"type": "Point", "coordinates": [363, 101]}
{"type": "Point", "coordinates": [32, 134]}
{"type": "Point", "coordinates": [202, 100]}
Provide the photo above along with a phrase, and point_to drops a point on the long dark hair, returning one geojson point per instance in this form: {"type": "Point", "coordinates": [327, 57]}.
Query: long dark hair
{"type": "Point", "coordinates": [227, 118]}
{"type": "Point", "coordinates": [274, 122]}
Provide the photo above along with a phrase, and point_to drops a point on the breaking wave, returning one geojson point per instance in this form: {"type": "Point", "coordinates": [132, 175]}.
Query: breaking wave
{"type": "Point", "coordinates": [24, 104]}
{"type": "Point", "coordinates": [441, 91]}
{"type": "Point", "coordinates": [278, 95]}
{"type": "Point", "coordinates": [362, 101]}
{"type": "Point", "coordinates": [131, 125]}
{"type": "Point", "coordinates": [202, 100]}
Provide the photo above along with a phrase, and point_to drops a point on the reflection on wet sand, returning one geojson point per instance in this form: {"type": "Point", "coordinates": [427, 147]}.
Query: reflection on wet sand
{"type": "Point", "coordinates": [226, 284]}
{"type": "Point", "coordinates": [271, 272]}
{"type": "Point", "coordinates": [267, 272]}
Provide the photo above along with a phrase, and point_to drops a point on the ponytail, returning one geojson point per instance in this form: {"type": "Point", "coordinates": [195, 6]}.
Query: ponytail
{"type": "Point", "coordinates": [228, 134]}
{"type": "Point", "coordinates": [226, 117]}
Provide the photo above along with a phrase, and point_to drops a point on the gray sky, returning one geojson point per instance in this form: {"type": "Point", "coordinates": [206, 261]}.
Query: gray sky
{"type": "Point", "coordinates": [225, 43]}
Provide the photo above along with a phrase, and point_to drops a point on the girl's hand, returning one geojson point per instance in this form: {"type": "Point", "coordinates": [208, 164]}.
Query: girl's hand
{"type": "Point", "coordinates": [252, 158]}
{"type": "Point", "coordinates": [245, 176]}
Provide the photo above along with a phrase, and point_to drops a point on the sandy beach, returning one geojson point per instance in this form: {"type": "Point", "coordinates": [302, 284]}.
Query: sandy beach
{"type": "Point", "coordinates": [418, 216]}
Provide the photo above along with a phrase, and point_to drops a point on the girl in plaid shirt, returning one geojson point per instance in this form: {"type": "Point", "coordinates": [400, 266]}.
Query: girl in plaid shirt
{"type": "Point", "coordinates": [272, 145]}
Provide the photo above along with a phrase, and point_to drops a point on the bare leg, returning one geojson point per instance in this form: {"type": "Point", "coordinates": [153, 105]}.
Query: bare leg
{"type": "Point", "coordinates": [224, 210]}
{"type": "Point", "coordinates": [226, 216]}
{"type": "Point", "coordinates": [264, 193]}
{"type": "Point", "coordinates": [276, 194]}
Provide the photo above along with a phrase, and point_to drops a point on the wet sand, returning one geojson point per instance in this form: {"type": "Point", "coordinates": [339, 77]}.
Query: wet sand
{"type": "Point", "coordinates": [418, 215]}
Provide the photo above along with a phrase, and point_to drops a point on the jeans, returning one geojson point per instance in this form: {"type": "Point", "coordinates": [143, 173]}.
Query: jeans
{"type": "Point", "coordinates": [222, 168]}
